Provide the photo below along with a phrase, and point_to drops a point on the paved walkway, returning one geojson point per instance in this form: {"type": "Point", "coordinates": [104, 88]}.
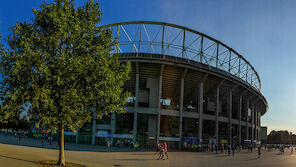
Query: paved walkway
{"type": "Point", "coordinates": [32, 142]}
{"type": "Point", "coordinates": [26, 156]}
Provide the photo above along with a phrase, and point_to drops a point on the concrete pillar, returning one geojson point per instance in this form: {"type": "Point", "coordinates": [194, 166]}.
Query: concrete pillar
{"type": "Point", "coordinates": [240, 120]}
{"type": "Point", "coordinates": [217, 110]}
{"type": "Point", "coordinates": [113, 126]}
{"type": "Point", "coordinates": [200, 108]}
{"type": "Point", "coordinates": [200, 105]}
{"type": "Point", "coordinates": [181, 108]}
{"type": "Point", "coordinates": [136, 104]}
{"type": "Point", "coordinates": [248, 103]}
{"type": "Point", "coordinates": [255, 123]}
{"type": "Point", "coordinates": [252, 125]}
{"type": "Point", "coordinates": [230, 117]}
{"type": "Point", "coordinates": [94, 129]}
{"type": "Point", "coordinates": [159, 102]}
{"type": "Point", "coordinates": [152, 126]}
{"type": "Point", "coordinates": [217, 114]}
{"type": "Point", "coordinates": [259, 125]}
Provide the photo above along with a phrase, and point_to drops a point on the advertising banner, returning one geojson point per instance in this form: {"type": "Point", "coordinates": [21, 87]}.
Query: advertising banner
{"type": "Point", "coordinates": [69, 133]}
{"type": "Point", "coordinates": [192, 140]}
{"type": "Point", "coordinates": [103, 133]}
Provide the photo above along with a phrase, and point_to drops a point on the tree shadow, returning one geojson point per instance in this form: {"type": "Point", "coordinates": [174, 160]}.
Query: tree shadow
{"type": "Point", "coordinates": [222, 155]}
{"type": "Point", "coordinates": [134, 159]}
{"type": "Point", "coordinates": [143, 154]}
{"type": "Point", "coordinates": [24, 160]}
{"type": "Point", "coordinates": [252, 159]}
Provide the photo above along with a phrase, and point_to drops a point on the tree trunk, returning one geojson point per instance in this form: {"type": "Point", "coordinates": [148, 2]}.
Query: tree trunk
{"type": "Point", "coordinates": [62, 161]}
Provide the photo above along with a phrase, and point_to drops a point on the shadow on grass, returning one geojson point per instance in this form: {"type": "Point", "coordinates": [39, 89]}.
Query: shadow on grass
{"type": "Point", "coordinates": [19, 159]}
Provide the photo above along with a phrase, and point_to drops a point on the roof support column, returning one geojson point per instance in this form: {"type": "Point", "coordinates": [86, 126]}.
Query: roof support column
{"type": "Point", "coordinates": [259, 125]}
{"type": "Point", "coordinates": [136, 104]}
{"type": "Point", "coordinates": [255, 123]}
{"type": "Point", "coordinates": [252, 125]}
{"type": "Point", "coordinates": [230, 128]}
{"type": "Point", "coordinates": [181, 108]}
{"type": "Point", "coordinates": [200, 105]}
{"type": "Point", "coordinates": [240, 111]}
{"type": "Point", "coordinates": [230, 117]}
{"type": "Point", "coordinates": [159, 100]}
{"type": "Point", "coordinates": [217, 110]}
{"type": "Point", "coordinates": [248, 103]}
{"type": "Point", "coordinates": [240, 120]}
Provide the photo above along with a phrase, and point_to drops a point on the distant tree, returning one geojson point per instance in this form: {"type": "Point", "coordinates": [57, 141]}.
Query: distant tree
{"type": "Point", "coordinates": [17, 124]}
{"type": "Point", "coordinates": [59, 67]}
{"type": "Point", "coordinates": [279, 137]}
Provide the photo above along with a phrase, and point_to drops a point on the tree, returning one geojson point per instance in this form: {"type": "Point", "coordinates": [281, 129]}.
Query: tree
{"type": "Point", "coordinates": [279, 137]}
{"type": "Point", "coordinates": [59, 67]}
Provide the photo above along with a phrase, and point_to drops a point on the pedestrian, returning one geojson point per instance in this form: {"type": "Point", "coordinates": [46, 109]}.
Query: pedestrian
{"type": "Point", "coordinates": [166, 149]}
{"type": "Point", "coordinates": [158, 147]}
{"type": "Point", "coordinates": [233, 149]}
{"type": "Point", "coordinates": [136, 146]}
{"type": "Point", "coordinates": [292, 150]}
{"type": "Point", "coordinates": [42, 140]}
{"type": "Point", "coordinates": [161, 152]}
{"type": "Point", "coordinates": [20, 138]}
{"type": "Point", "coordinates": [50, 140]}
{"type": "Point", "coordinates": [228, 150]}
{"type": "Point", "coordinates": [58, 142]}
{"type": "Point", "coordinates": [109, 145]}
{"type": "Point", "coordinates": [259, 151]}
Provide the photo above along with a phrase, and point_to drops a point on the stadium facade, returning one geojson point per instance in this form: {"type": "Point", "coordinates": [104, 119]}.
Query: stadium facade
{"type": "Point", "coordinates": [186, 87]}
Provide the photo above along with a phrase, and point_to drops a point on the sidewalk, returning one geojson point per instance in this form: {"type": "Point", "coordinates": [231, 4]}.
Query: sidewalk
{"type": "Point", "coordinates": [33, 142]}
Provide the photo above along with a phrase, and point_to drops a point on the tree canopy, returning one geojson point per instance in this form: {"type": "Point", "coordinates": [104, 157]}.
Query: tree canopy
{"type": "Point", "coordinates": [279, 137]}
{"type": "Point", "coordinates": [59, 66]}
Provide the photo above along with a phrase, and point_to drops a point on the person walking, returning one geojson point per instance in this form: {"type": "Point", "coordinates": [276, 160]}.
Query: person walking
{"type": "Point", "coordinates": [166, 149]}
{"type": "Point", "coordinates": [161, 152]}
{"type": "Point", "coordinates": [20, 138]}
{"type": "Point", "coordinates": [233, 149]}
{"type": "Point", "coordinates": [228, 150]}
{"type": "Point", "coordinates": [42, 141]}
{"type": "Point", "coordinates": [158, 147]}
{"type": "Point", "coordinates": [109, 145]}
{"type": "Point", "coordinates": [136, 146]}
{"type": "Point", "coordinates": [259, 151]}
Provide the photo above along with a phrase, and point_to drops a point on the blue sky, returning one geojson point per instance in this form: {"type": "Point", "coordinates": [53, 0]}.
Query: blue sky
{"type": "Point", "coordinates": [262, 31]}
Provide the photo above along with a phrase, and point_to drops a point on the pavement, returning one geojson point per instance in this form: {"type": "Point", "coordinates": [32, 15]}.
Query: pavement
{"type": "Point", "coordinates": [24, 155]}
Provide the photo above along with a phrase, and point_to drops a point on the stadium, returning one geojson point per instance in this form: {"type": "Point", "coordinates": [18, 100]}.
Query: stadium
{"type": "Point", "coordinates": [186, 87]}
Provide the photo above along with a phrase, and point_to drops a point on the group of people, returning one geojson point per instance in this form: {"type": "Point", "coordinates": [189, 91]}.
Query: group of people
{"type": "Point", "coordinates": [280, 147]}
{"type": "Point", "coordinates": [194, 147]}
{"type": "Point", "coordinates": [220, 148]}
{"type": "Point", "coordinates": [162, 150]}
